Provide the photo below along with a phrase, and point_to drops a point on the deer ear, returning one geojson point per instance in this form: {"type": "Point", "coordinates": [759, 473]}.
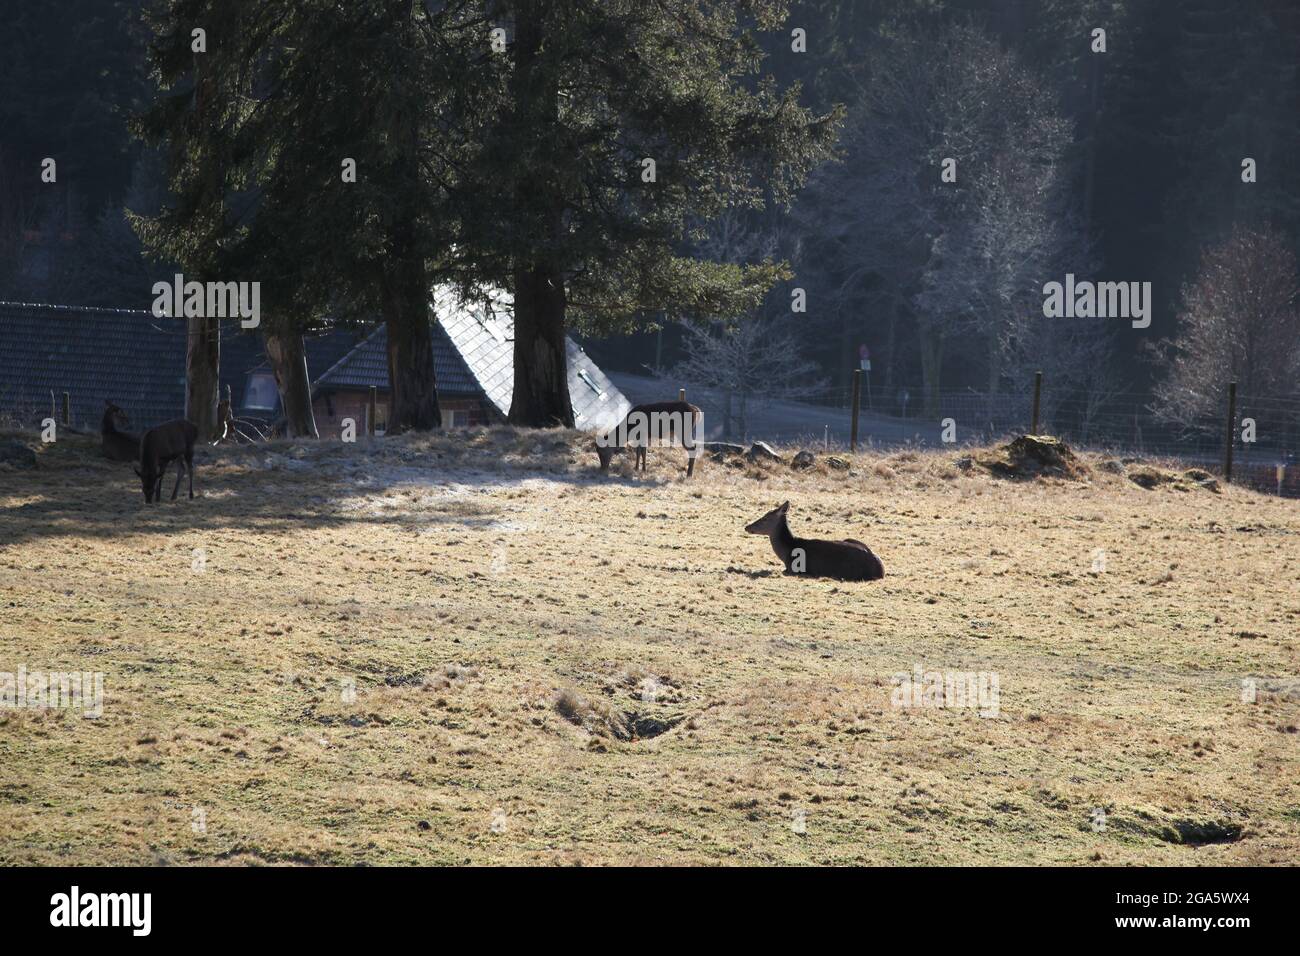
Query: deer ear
{"type": "Point", "coordinates": [785, 506]}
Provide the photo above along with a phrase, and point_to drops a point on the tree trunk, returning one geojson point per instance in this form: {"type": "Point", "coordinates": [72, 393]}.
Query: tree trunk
{"type": "Point", "coordinates": [288, 357]}
{"type": "Point", "coordinates": [995, 362]}
{"type": "Point", "coordinates": [413, 389]}
{"type": "Point", "coordinates": [541, 375]}
{"type": "Point", "coordinates": [891, 339]}
{"type": "Point", "coordinates": [930, 341]}
{"type": "Point", "coordinates": [541, 396]}
{"type": "Point", "coordinates": [202, 374]}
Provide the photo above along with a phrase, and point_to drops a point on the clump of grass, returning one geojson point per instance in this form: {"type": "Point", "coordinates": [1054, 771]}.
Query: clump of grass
{"type": "Point", "coordinates": [593, 716]}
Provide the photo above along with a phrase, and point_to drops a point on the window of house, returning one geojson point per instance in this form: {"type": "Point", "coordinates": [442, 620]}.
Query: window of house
{"type": "Point", "coordinates": [459, 419]}
{"type": "Point", "coordinates": [260, 393]}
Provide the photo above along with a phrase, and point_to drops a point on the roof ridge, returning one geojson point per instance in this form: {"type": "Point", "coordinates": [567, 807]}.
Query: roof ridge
{"type": "Point", "coordinates": [74, 308]}
{"type": "Point", "coordinates": [319, 379]}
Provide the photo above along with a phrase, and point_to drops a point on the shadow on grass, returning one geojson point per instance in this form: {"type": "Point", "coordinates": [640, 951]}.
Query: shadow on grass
{"type": "Point", "coordinates": [73, 491]}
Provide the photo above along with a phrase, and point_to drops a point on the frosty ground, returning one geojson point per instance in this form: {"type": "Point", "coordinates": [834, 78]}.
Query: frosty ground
{"type": "Point", "coordinates": [473, 648]}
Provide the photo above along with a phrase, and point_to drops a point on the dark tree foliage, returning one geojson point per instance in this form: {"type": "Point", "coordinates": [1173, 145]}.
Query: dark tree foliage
{"type": "Point", "coordinates": [559, 200]}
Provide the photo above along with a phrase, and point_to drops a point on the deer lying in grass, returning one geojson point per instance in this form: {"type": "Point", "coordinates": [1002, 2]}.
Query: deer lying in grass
{"type": "Point", "coordinates": [168, 442]}
{"type": "Point", "coordinates": [118, 445]}
{"type": "Point", "coordinates": [846, 560]}
{"type": "Point", "coordinates": [671, 421]}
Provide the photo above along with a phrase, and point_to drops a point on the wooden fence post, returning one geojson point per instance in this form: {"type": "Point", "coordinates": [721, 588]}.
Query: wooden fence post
{"type": "Point", "coordinates": [681, 395]}
{"type": "Point", "coordinates": [67, 409]}
{"type": "Point", "coordinates": [1232, 431]}
{"type": "Point", "coordinates": [373, 410]}
{"type": "Point", "coordinates": [857, 397]}
{"type": "Point", "coordinates": [1038, 394]}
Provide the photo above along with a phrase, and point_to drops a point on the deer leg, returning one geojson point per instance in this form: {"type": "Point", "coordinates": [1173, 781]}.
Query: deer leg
{"type": "Point", "coordinates": [180, 471]}
{"type": "Point", "coordinates": [189, 467]}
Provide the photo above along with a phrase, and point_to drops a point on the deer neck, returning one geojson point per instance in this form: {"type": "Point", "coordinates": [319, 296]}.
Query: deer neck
{"type": "Point", "coordinates": [782, 541]}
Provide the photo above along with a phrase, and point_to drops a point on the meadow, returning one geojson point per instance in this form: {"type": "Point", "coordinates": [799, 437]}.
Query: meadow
{"type": "Point", "coordinates": [471, 647]}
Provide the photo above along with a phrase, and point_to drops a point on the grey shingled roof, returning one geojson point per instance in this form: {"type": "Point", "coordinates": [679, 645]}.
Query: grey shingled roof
{"type": "Point", "coordinates": [485, 340]}
{"type": "Point", "coordinates": [138, 361]}
{"type": "Point", "coordinates": [367, 365]}
{"type": "Point", "coordinates": [127, 356]}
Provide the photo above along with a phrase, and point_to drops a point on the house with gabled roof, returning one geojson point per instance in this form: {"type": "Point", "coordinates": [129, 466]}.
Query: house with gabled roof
{"type": "Point", "coordinates": [137, 360]}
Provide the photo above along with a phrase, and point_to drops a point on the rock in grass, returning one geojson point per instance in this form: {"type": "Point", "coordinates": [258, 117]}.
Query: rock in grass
{"type": "Point", "coordinates": [723, 449]}
{"type": "Point", "coordinates": [805, 459]}
{"type": "Point", "coordinates": [761, 450]}
{"type": "Point", "coordinates": [1029, 456]}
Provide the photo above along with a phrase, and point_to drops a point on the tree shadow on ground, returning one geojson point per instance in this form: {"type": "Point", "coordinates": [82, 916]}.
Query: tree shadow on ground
{"type": "Point", "coordinates": [74, 492]}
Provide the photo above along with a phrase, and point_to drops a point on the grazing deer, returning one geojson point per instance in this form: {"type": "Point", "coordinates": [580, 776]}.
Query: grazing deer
{"type": "Point", "coordinates": [846, 560]}
{"type": "Point", "coordinates": [118, 445]}
{"type": "Point", "coordinates": [161, 445]}
{"type": "Point", "coordinates": [661, 420]}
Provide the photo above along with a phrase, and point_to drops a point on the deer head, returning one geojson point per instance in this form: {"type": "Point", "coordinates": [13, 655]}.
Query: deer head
{"type": "Point", "coordinates": [118, 415]}
{"type": "Point", "coordinates": [770, 521]}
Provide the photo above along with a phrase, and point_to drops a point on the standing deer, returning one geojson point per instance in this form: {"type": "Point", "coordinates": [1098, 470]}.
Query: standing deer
{"type": "Point", "coordinates": [846, 560]}
{"type": "Point", "coordinates": [118, 445]}
{"type": "Point", "coordinates": [161, 445]}
{"type": "Point", "coordinates": [657, 420]}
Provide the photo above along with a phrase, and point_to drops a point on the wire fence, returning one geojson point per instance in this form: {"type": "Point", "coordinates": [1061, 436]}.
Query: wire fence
{"type": "Point", "coordinates": [1265, 436]}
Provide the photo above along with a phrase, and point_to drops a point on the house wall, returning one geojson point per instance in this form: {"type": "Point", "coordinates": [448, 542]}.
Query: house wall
{"type": "Point", "coordinates": [354, 404]}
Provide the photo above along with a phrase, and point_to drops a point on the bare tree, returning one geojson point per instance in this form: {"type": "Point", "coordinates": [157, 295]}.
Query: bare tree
{"type": "Point", "coordinates": [751, 361]}
{"type": "Point", "coordinates": [1240, 320]}
{"type": "Point", "coordinates": [961, 254]}
{"type": "Point", "coordinates": [754, 357]}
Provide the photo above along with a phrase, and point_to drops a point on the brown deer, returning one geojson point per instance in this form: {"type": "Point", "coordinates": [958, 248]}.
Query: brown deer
{"type": "Point", "coordinates": [118, 445]}
{"type": "Point", "coordinates": [161, 445]}
{"type": "Point", "coordinates": [846, 560]}
{"type": "Point", "coordinates": [662, 420]}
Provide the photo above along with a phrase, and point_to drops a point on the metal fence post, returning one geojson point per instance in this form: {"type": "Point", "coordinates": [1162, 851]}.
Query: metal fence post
{"type": "Point", "coordinates": [1038, 394]}
{"type": "Point", "coordinates": [1232, 431]}
{"type": "Point", "coordinates": [857, 396]}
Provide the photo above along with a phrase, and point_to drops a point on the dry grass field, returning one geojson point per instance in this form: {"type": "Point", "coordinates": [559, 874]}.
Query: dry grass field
{"type": "Point", "coordinates": [472, 648]}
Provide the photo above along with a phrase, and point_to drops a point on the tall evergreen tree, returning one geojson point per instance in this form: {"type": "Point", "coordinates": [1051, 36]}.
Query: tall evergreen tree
{"type": "Point", "coordinates": [266, 129]}
{"type": "Point", "coordinates": [615, 125]}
